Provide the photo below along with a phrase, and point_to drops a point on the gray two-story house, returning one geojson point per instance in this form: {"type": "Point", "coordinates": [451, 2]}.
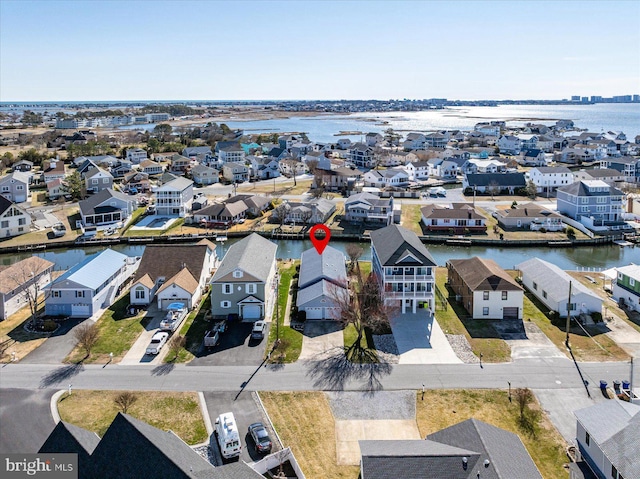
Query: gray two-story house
{"type": "Point", "coordinates": [404, 267]}
{"type": "Point", "coordinates": [245, 281]}
{"type": "Point", "coordinates": [369, 208]}
{"type": "Point", "coordinates": [593, 203]}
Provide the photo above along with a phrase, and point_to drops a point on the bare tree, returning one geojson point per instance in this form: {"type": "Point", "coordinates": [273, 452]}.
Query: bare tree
{"type": "Point", "coordinates": [87, 336]}
{"type": "Point", "coordinates": [361, 305]}
{"type": "Point", "coordinates": [281, 212]}
{"type": "Point", "coordinates": [354, 251]}
{"type": "Point", "coordinates": [125, 400]}
{"type": "Point", "coordinates": [312, 165]}
{"type": "Point", "coordinates": [175, 346]}
{"type": "Point", "coordinates": [28, 277]}
{"type": "Point", "coordinates": [493, 189]}
{"type": "Point", "coordinates": [524, 396]}
{"type": "Point", "coordinates": [306, 216]}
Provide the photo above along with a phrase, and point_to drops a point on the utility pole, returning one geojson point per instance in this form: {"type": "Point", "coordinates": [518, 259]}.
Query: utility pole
{"type": "Point", "coordinates": [277, 309]}
{"type": "Point", "coordinates": [566, 341]}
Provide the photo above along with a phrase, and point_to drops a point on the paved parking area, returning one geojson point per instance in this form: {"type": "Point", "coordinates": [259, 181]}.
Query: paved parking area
{"type": "Point", "coordinates": [236, 348]}
{"type": "Point", "coordinates": [246, 411]}
{"type": "Point", "coordinates": [57, 346]}
{"type": "Point", "coordinates": [320, 338]}
{"type": "Point", "coordinates": [137, 352]}
{"type": "Point", "coordinates": [420, 340]}
{"type": "Point", "coordinates": [533, 344]}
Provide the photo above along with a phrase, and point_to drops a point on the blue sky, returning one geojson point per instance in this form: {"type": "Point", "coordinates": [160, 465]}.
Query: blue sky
{"type": "Point", "coordinates": [218, 50]}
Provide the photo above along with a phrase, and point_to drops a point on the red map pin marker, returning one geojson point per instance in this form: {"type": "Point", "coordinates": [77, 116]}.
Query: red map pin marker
{"type": "Point", "coordinates": [320, 244]}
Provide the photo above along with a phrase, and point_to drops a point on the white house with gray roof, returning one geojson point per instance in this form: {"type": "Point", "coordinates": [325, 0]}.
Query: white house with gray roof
{"type": "Point", "coordinates": [550, 285]}
{"type": "Point", "coordinates": [322, 277]}
{"type": "Point", "coordinates": [15, 186]}
{"type": "Point", "coordinates": [90, 285]}
{"type": "Point", "coordinates": [106, 207]}
{"type": "Point", "coordinates": [610, 176]}
{"type": "Point", "coordinates": [549, 178]}
{"type": "Point", "coordinates": [174, 198]}
{"type": "Point", "coordinates": [404, 267]}
{"type": "Point", "coordinates": [369, 208]}
{"type": "Point", "coordinates": [608, 436]}
{"type": "Point", "coordinates": [245, 281]}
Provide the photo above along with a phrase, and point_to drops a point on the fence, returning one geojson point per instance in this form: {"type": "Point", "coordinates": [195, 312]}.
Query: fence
{"type": "Point", "coordinates": [441, 300]}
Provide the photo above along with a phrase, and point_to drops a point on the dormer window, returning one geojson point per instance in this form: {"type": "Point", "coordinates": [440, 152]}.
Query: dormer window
{"type": "Point", "coordinates": [237, 274]}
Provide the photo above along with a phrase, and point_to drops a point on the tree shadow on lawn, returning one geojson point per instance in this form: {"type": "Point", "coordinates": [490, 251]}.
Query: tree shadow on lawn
{"type": "Point", "coordinates": [332, 371]}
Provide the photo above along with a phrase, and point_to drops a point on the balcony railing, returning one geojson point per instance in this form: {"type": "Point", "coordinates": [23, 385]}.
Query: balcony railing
{"type": "Point", "coordinates": [407, 294]}
{"type": "Point", "coordinates": [409, 277]}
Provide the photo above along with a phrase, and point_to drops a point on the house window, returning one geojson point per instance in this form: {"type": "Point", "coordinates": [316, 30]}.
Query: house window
{"type": "Point", "coordinates": [504, 295]}
{"type": "Point", "coordinates": [22, 221]}
{"type": "Point", "coordinates": [79, 294]}
{"type": "Point", "coordinates": [105, 180]}
{"type": "Point", "coordinates": [251, 288]}
{"type": "Point", "coordinates": [544, 294]}
{"type": "Point", "coordinates": [237, 274]}
{"type": "Point", "coordinates": [587, 438]}
{"type": "Point", "coordinates": [140, 292]}
{"type": "Point", "coordinates": [227, 288]}
{"type": "Point", "coordinates": [485, 311]}
{"type": "Point", "coordinates": [225, 304]}
{"type": "Point", "coordinates": [485, 295]}
{"type": "Point", "coordinates": [632, 282]}
{"type": "Point", "coordinates": [55, 294]}
{"type": "Point", "coordinates": [535, 285]}
{"type": "Point", "coordinates": [4, 224]}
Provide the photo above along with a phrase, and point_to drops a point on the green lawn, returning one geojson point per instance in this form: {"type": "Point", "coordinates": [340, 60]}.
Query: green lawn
{"type": "Point", "coordinates": [481, 335]}
{"type": "Point", "coordinates": [290, 339]}
{"type": "Point", "coordinates": [411, 217]}
{"type": "Point", "coordinates": [118, 332]}
{"type": "Point", "coordinates": [193, 329]}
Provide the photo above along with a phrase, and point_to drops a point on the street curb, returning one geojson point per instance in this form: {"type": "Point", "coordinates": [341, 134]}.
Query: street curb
{"type": "Point", "coordinates": [205, 413]}
{"type": "Point", "coordinates": [54, 405]}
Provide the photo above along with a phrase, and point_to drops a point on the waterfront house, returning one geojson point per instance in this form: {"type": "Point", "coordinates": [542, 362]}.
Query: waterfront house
{"type": "Point", "coordinates": [179, 164]}
{"type": "Point", "coordinates": [14, 219]}
{"type": "Point", "coordinates": [468, 450]}
{"type": "Point", "coordinates": [441, 168]}
{"type": "Point", "coordinates": [609, 175]}
{"type": "Point", "coordinates": [415, 141]}
{"type": "Point", "coordinates": [389, 178]}
{"type": "Point", "coordinates": [372, 139]}
{"type": "Point", "coordinates": [369, 208]}
{"type": "Point", "coordinates": [245, 281]}
{"type": "Point", "coordinates": [529, 216]}
{"type": "Point", "coordinates": [488, 166]}
{"type": "Point", "coordinates": [55, 189]}
{"type": "Point", "coordinates": [323, 278]}
{"type": "Point", "coordinates": [136, 155]}
{"type": "Point", "coordinates": [626, 286]}
{"type": "Point", "coordinates": [107, 207]}
{"type": "Point", "coordinates": [404, 268]}
{"type": "Point", "coordinates": [549, 178]}
{"type": "Point", "coordinates": [550, 285]}
{"type": "Point", "coordinates": [90, 285]}
{"type": "Point", "coordinates": [487, 129]}
{"type": "Point", "coordinates": [509, 145]}
{"type": "Point", "coordinates": [343, 143]}
{"type": "Point", "coordinates": [627, 165]}
{"type": "Point", "coordinates": [593, 203]}
{"type": "Point", "coordinates": [314, 211]}
{"type": "Point", "coordinates": [15, 186]}
{"type": "Point", "coordinates": [235, 172]}
{"type": "Point", "coordinates": [457, 218]}
{"type": "Point", "coordinates": [221, 213]}
{"type": "Point", "coordinates": [204, 175]}
{"type": "Point", "coordinates": [21, 282]}
{"type": "Point", "coordinates": [484, 289]}
{"type": "Point", "coordinates": [173, 273]}
{"type": "Point", "coordinates": [501, 183]}
{"type": "Point", "coordinates": [151, 168]}
{"type": "Point", "coordinates": [97, 179]}
{"type": "Point", "coordinates": [174, 198]}
{"type": "Point", "coordinates": [418, 170]}
{"type": "Point", "coordinates": [607, 434]}
{"type": "Point", "coordinates": [256, 204]}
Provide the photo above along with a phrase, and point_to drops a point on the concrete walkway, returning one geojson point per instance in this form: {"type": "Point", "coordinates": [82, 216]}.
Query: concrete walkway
{"type": "Point", "coordinates": [321, 338]}
{"type": "Point", "coordinates": [420, 340]}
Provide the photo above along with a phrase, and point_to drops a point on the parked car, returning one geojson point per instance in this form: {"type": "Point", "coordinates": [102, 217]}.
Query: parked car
{"type": "Point", "coordinates": [258, 330]}
{"type": "Point", "coordinates": [211, 338]}
{"type": "Point", "coordinates": [157, 341]}
{"type": "Point", "coordinates": [59, 230]}
{"type": "Point", "coordinates": [260, 437]}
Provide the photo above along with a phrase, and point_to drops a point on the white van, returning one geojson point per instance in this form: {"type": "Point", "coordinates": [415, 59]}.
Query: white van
{"type": "Point", "coordinates": [228, 435]}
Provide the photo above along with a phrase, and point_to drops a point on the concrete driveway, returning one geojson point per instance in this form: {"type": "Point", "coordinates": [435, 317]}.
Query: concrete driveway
{"type": "Point", "coordinates": [529, 342]}
{"type": "Point", "coordinates": [137, 352]}
{"type": "Point", "coordinates": [25, 416]}
{"type": "Point", "coordinates": [420, 340]}
{"type": "Point", "coordinates": [246, 411]}
{"type": "Point", "coordinates": [321, 338]}
{"type": "Point", "coordinates": [236, 348]}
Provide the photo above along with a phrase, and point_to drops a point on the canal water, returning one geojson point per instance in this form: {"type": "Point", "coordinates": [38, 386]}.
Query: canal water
{"type": "Point", "coordinates": [588, 257]}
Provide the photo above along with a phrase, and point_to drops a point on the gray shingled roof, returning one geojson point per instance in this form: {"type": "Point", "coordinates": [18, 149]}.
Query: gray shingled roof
{"type": "Point", "coordinates": [254, 255]}
{"type": "Point", "coordinates": [508, 458]}
{"type": "Point", "coordinates": [501, 179]}
{"type": "Point", "coordinates": [552, 169]}
{"type": "Point", "coordinates": [89, 205]}
{"type": "Point", "coordinates": [317, 290]}
{"type": "Point", "coordinates": [393, 242]}
{"type": "Point", "coordinates": [579, 188]}
{"type": "Point", "coordinates": [615, 427]}
{"type": "Point", "coordinates": [314, 267]}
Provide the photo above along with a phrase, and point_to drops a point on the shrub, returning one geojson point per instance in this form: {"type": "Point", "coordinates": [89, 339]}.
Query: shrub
{"type": "Point", "coordinates": [468, 191]}
{"type": "Point", "coordinates": [596, 316]}
{"type": "Point", "coordinates": [571, 233]}
{"type": "Point", "coordinates": [543, 230]}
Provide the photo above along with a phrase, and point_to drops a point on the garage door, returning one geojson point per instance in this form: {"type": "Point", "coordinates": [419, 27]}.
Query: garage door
{"type": "Point", "coordinates": [510, 313]}
{"type": "Point", "coordinates": [331, 313]}
{"type": "Point", "coordinates": [165, 302]}
{"type": "Point", "coordinates": [251, 311]}
{"type": "Point", "coordinates": [80, 310]}
{"type": "Point", "coordinates": [314, 313]}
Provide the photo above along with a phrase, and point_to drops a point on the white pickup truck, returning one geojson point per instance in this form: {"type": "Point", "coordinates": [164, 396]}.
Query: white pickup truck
{"type": "Point", "coordinates": [176, 312]}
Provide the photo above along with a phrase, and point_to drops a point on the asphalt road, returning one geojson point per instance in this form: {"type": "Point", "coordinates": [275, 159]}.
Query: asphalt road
{"type": "Point", "coordinates": [26, 419]}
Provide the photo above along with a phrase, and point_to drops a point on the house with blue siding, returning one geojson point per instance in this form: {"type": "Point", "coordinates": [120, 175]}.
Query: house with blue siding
{"type": "Point", "coordinates": [90, 285]}
{"type": "Point", "coordinates": [593, 203]}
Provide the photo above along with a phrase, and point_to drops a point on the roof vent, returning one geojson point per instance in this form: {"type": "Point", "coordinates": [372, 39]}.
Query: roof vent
{"type": "Point", "coordinates": [465, 461]}
{"type": "Point", "coordinates": [486, 463]}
